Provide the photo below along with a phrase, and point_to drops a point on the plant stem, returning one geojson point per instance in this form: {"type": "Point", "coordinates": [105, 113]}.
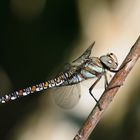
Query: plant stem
{"type": "Point", "coordinates": [110, 92]}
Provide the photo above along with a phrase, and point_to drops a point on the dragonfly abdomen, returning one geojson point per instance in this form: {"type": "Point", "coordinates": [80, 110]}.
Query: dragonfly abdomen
{"type": "Point", "coordinates": [24, 92]}
{"type": "Point", "coordinates": [61, 80]}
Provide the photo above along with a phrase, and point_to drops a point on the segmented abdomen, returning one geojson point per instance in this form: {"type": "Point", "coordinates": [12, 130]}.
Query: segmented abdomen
{"type": "Point", "coordinates": [61, 80]}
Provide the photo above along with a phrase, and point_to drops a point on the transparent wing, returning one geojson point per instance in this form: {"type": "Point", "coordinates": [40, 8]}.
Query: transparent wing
{"type": "Point", "coordinates": [85, 55]}
{"type": "Point", "coordinates": [68, 96]}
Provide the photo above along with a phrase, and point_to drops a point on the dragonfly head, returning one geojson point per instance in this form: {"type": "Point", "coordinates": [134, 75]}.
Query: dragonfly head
{"type": "Point", "coordinates": [110, 61]}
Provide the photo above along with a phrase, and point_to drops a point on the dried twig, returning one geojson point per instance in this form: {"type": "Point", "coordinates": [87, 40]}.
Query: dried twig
{"type": "Point", "coordinates": [109, 93]}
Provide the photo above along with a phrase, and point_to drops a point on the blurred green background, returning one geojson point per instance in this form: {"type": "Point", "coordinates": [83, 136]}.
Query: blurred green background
{"type": "Point", "coordinates": [38, 37]}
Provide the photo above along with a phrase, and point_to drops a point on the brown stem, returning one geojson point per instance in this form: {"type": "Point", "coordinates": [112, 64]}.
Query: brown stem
{"type": "Point", "coordinates": [108, 95]}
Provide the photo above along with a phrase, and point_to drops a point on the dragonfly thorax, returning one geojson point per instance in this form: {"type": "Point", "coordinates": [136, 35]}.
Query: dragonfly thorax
{"type": "Point", "coordinates": [109, 61]}
{"type": "Point", "coordinates": [92, 68]}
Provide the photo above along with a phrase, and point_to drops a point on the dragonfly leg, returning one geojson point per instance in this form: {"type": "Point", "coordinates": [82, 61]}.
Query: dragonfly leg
{"type": "Point", "coordinates": [107, 83]}
{"type": "Point", "coordinates": [114, 87]}
{"type": "Point", "coordinates": [121, 66]}
{"type": "Point", "coordinates": [90, 91]}
{"type": "Point", "coordinates": [106, 80]}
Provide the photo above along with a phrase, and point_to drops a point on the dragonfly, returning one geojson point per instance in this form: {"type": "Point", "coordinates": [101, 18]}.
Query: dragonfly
{"type": "Point", "coordinates": [66, 82]}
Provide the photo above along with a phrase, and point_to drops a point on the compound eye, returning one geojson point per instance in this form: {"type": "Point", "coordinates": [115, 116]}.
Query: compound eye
{"type": "Point", "coordinates": [110, 61]}
{"type": "Point", "coordinates": [111, 55]}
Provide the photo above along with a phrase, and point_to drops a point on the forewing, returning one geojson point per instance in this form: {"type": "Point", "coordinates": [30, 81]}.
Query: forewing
{"type": "Point", "coordinates": [85, 55]}
{"type": "Point", "coordinates": [68, 96]}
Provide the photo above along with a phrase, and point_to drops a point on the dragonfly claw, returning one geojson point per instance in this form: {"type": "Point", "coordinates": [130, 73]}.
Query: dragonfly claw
{"type": "Point", "coordinates": [107, 89]}
{"type": "Point", "coordinates": [98, 105]}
